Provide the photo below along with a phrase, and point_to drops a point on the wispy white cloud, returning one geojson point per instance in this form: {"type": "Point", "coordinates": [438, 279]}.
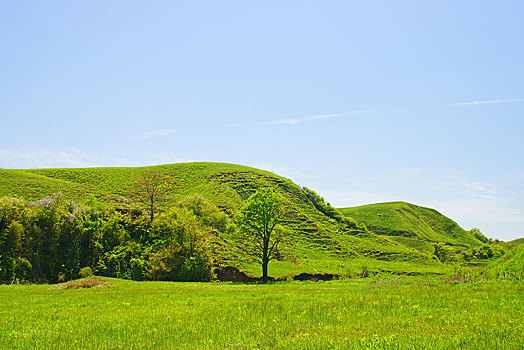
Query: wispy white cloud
{"type": "Point", "coordinates": [23, 158]}
{"type": "Point", "coordinates": [154, 133]}
{"type": "Point", "coordinates": [41, 157]}
{"type": "Point", "coordinates": [486, 102]}
{"type": "Point", "coordinates": [293, 121]}
{"type": "Point", "coordinates": [474, 190]}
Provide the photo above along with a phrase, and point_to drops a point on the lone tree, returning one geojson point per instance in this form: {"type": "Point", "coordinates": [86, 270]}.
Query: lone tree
{"type": "Point", "coordinates": [258, 221]}
{"type": "Point", "coordinates": [151, 189]}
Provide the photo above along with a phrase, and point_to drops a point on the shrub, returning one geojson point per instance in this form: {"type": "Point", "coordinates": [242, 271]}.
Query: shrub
{"type": "Point", "coordinates": [442, 252]}
{"type": "Point", "coordinates": [365, 272]}
{"type": "Point", "coordinates": [138, 269]}
{"type": "Point", "coordinates": [321, 205]}
{"type": "Point", "coordinates": [164, 264]}
{"type": "Point", "coordinates": [479, 235]}
{"type": "Point", "coordinates": [7, 268]}
{"type": "Point", "coordinates": [24, 270]}
{"type": "Point", "coordinates": [194, 269]}
{"type": "Point", "coordinates": [85, 272]}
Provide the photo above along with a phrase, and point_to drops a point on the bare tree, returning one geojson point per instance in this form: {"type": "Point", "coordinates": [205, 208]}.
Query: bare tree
{"type": "Point", "coordinates": [151, 189]}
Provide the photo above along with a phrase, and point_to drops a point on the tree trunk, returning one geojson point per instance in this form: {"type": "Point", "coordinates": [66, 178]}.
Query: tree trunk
{"type": "Point", "coordinates": [151, 213]}
{"type": "Point", "coordinates": [264, 270]}
{"type": "Point", "coordinates": [265, 259]}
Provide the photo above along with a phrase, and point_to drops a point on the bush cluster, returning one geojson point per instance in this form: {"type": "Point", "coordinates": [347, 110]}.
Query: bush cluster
{"type": "Point", "coordinates": [53, 240]}
{"type": "Point", "coordinates": [444, 252]}
{"type": "Point", "coordinates": [321, 205]}
{"type": "Point", "coordinates": [327, 209]}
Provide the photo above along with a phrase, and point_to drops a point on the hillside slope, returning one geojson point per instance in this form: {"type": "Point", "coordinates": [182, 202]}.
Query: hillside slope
{"type": "Point", "coordinates": [412, 225]}
{"type": "Point", "coordinates": [510, 265]}
{"type": "Point", "coordinates": [315, 242]}
{"type": "Point", "coordinates": [517, 241]}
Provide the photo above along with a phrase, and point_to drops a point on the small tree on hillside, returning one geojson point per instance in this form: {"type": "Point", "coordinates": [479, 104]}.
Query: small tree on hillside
{"type": "Point", "coordinates": [258, 221]}
{"type": "Point", "coordinates": [479, 235]}
{"type": "Point", "coordinates": [441, 251]}
{"type": "Point", "coordinates": [151, 189]}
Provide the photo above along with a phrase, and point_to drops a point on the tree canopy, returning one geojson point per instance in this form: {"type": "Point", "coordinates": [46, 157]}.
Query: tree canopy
{"type": "Point", "coordinates": [259, 222]}
{"type": "Point", "coordinates": [151, 189]}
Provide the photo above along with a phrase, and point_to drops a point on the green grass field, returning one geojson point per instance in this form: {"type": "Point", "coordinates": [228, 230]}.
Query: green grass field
{"type": "Point", "coordinates": [405, 313]}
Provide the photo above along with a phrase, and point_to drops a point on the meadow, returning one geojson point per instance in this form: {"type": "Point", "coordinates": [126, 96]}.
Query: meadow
{"type": "Point", "coordinates": [366, 313]}
{"type": "Point", "coordinates": [397, 290]}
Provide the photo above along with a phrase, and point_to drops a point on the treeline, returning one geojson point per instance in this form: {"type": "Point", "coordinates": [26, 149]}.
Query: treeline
{"type": "Point", "coordinates": [327, 209]}
{"type": "Point", "coordinates": [491, 249]}
{"type": "Point", "coordinates": [53, 240]}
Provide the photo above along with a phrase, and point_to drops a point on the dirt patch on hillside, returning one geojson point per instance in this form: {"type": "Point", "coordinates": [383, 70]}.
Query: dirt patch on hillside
{"type": "Point", "coordinates": [411, 273]}
{"type": "Point", "coordinates": [315, 277]}
{"type": "Point", "coordinates": [232, 274]}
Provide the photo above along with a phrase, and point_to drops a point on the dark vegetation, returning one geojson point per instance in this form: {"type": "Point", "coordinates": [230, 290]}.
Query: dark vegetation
{"type": "Point", "coordinates": [54, 240]}
{"type": "Point", "coordinates": [181, 223]}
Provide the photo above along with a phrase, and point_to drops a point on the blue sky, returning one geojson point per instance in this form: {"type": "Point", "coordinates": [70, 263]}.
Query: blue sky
{"type": "Point", "coordinates": [362, 101]}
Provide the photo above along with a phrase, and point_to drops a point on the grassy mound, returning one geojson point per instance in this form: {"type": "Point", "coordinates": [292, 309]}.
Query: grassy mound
{"type": "Point", "coordinates": [411, 225]}
{"type": "Point", "coordinates": [517, 241]}
{"type": "Point", "coordinates": [88, 282]}
{"type": "Point", "coordinates": [510, 265]}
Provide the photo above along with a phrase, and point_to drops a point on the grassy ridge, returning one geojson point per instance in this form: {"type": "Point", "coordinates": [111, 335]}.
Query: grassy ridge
{"type": "Point", "coordinates": [361, 314]}
{"type": "Point", "coordinates": [517, 241]}
{"type": "Point", "coordinates": [315, 242]}
{"type": "Point", "coordinates": [511, 265]}
{"type": "Point", "coordinates": [225, 184]}
{"type": "Point", "coordinates": [33, 186]}
{"type": "Point", "coordinates": [411, 225]}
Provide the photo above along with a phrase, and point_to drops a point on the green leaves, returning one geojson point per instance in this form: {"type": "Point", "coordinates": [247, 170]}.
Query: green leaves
{"type": "Point", "coordinates": [321, 205]}
{"type": "Point", "coordinates": [261, 213]}
{"type": "Point", "coordinates": [258, 222]}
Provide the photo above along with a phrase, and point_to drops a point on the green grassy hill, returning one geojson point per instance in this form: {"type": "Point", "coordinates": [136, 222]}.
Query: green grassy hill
{"type": "Point", "coordinates": [510, 265]}
{"type": "Point", "coordinates": [517, 241]}
{"type": "Point", "coordinates": [315, 242]}
{"type": "Point", "coordinates": [411, 225]}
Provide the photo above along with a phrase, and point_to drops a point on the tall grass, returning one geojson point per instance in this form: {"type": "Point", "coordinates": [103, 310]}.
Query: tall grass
{"type": "Point", "coordinates": [405, 313]}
